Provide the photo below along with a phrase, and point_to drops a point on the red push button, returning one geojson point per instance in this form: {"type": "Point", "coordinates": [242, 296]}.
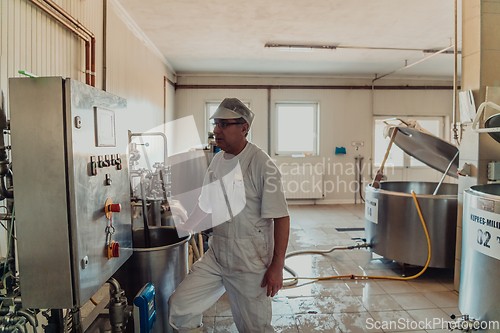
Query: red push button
{"type": "Point", "coordinates": [115, 208]}
{"type": "Point", "coordinates": [115, 249]}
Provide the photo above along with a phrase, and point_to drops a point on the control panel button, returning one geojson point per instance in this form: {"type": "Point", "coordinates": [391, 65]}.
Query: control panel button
{"type": "Point", "coordinates": [113, 250]}
{"type": "Point", "coordinates": [115, 208]}
{"type": "Point", "coordinates": [110, 208]}
{"type": "Point", "coordinates": [93, 166]}
{"type": "Point", "coordinates": [78, 122]}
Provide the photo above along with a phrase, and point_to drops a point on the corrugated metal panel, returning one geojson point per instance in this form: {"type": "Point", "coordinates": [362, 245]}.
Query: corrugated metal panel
{"type": "Point", "coordinates": [30, 40]}
{"type": "Point", "coordinates": [34, 42]}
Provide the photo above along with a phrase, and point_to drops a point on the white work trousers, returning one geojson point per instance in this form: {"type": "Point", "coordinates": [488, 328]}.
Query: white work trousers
{"type": "Point", "coordinates": [206, 283]}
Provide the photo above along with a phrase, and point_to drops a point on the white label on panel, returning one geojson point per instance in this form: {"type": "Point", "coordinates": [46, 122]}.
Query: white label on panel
{"type": "Point", "coordinates": [483, 230]}
{"type": "Point", "coordinates": [371, 208]}
{"type": "Point", "coordinates": [357, 143]}
{"type": "Point", "coordinates": [105, 127]}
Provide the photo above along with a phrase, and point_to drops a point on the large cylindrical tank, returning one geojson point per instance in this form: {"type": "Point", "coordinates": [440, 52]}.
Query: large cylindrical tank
{"type": "Point", "coordinates": [393, 227]}
{"type": "Point", "coordinates": [164, 264]}
{"type": "Point", "coordinates": [480, 269]}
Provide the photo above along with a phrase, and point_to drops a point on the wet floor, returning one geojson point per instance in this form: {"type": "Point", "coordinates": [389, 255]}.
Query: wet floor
{"type": "Point", "coordinates": [340, 306]}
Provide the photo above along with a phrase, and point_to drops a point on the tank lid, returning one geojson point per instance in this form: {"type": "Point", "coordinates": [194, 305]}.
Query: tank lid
{"type": "Point", "coordinates": [493, 121]}
{"type": "Point", "coordinates": [427, 148]}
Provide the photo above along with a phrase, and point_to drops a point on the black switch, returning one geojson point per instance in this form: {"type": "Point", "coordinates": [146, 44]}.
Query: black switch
{"type": "Point", "coordinates": [118, 162]}
{"type": "Point", "coordinates": [108, 179]}
{"type": "Point", "coordinates": [93, 166]}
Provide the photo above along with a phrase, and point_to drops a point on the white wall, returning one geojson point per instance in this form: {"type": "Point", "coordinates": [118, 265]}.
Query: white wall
{"type": "Point", "coordinates": [345, 115]}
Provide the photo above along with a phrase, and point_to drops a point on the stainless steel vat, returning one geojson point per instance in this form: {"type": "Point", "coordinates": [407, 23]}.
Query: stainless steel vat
{"type": "Point", "coordinates": [393, 227]}
{"type": "Point", "coordinates": [479, 286]}
{"type": "Point", "coordinates": [164, 264]}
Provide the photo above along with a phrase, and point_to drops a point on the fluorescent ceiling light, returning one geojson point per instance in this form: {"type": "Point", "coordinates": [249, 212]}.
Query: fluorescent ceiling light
{"type": "Point", "coordinates": [300, 48]}
{"type": "Point", "coordinates": [443, 52]}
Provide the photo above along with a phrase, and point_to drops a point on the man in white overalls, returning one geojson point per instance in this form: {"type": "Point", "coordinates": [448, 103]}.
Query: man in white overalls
{"type": "Point", "coordinates": [246, 256]}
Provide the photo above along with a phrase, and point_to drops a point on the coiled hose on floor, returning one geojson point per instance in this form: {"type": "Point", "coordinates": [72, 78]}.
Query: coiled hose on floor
{"type": "Point", "coordinates": [295, 278]}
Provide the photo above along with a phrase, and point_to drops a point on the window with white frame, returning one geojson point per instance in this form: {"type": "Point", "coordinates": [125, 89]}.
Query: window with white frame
{"type": "Point", "coordinates": [297, 128]}
{"type": "Point", "coordinates": [210, 108]}
{"type": "Point", "coordinates": [398, 158]}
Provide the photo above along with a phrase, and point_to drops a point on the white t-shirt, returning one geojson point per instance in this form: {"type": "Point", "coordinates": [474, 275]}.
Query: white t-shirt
{"type": "Point", "coordinates": [252, 183]}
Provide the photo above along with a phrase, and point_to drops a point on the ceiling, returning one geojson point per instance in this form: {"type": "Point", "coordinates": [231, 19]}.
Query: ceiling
{"type": "Point", "coordinates": [228, 36]}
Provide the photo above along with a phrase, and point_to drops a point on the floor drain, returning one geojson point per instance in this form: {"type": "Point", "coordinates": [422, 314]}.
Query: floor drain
{"type": "Point", "coordinates": [349, 229]}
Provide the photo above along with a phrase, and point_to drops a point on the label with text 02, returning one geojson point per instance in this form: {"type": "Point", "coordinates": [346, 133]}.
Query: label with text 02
{"type": "Point", "coordinates": [483, 230]}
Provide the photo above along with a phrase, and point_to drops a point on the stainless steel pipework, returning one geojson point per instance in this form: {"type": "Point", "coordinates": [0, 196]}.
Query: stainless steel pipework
{"type": "Point", "coordinates": [118, 307]}
{"type": "Point", "coordinates": [464, 323]}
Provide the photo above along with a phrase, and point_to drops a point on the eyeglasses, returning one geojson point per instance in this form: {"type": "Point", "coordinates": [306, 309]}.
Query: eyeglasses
{"type": "Point", "coordinates": [225, 124]}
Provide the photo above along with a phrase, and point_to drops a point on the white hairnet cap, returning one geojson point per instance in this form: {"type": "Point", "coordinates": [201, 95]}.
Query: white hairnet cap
{"type": "Point", "coordinates": [233, 108]}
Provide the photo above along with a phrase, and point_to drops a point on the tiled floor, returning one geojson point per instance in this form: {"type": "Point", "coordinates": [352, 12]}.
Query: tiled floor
{"type": "Point", "coordinates": [420, 305]}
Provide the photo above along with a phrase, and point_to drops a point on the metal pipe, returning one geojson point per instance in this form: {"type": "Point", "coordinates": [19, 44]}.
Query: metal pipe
{"type": "Point", "coordinates": [31, 319]}
{"type": "Point", "coordinates": [8, 329]}
{"type": "Point", "coordinates": [360, 182]}
{"type": "Point", "coordinates": [61, 21]}
{"type": "Point", "coordinates": [113, 282]}
{"type": "Point", "coordinates": [20, 328]}
{"type": "Point", "coordinates": [356, 179]}
{"type": "Point", "coordinates": [445, 173]}
{"type": "Point", "coordinates": [17, 300]}
{"type": "Point", "coordinates": [147, 241]}
{"type": "Point", "coordinates": [332, 87]}
{"type": "Point", "coordinates": [455, 78]}
{"type": "Point", "coordinates": [3, 190]}
{"type": "Point", "coordinates": [416, 62]}
{"type": "Point", "coordinates": [269, 121]}
{"type": "Point", "coordinates": [104, 42]}
{"type": "Point", "coordinates": [92, 63]}
{"type": "Point", "coordinates": [165, 99]}
{"type": "Point", "coordinates": [4, 160]}
{"type": "Point", "coordinates": [165, 152]}
{"type": "Point", "coordinates": [173, 84]}
{"type": "Point", "coordinates": [64, 13]}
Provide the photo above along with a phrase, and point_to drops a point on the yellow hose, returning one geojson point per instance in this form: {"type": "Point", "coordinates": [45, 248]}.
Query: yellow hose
{"type": "Point", "coordinates": [352, 276]}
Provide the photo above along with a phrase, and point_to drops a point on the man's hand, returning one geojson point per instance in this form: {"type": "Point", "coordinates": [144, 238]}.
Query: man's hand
{"type": "Point", "coordinates": [187, 227]}
{"type": "Point", "coordinates": [183, 227]}
{"type": "Point", "coordinates": [273, 278]}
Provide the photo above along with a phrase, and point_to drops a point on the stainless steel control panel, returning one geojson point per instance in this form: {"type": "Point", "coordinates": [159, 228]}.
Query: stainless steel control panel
{"type": "Point", "coordinates": [71, 189]}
